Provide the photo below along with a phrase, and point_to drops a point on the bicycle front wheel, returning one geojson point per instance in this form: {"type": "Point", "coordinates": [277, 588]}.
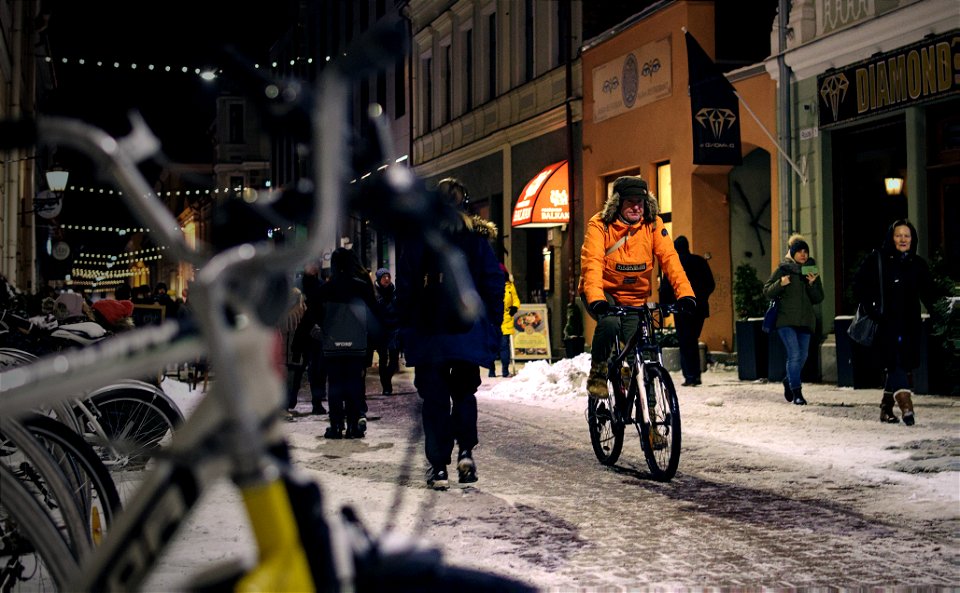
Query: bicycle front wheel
{"type": "Point", "coordinates": [136, 424]}
{"type": "Point", "coordinates": [606, 425]}
{"type": "Point", "coordinates": [660, 436]}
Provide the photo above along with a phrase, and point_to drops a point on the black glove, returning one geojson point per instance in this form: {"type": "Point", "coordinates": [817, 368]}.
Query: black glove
{"type": "Point", "coordinates": [599, 307]}
{"type": "Point", "coordinates": [687, 305]}
{"type": "Point", "coordinates": [513, 311]}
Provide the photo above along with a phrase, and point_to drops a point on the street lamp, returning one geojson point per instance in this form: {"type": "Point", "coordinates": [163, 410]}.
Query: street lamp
{"type": "Point", "coordinates": [47, 203]}
{"type": "Point", "coordinates": [57, 179]}
{"type": "Point", "coordinates": [893, 184]}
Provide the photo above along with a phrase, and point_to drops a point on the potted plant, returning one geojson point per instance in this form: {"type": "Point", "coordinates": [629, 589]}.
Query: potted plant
{"type": "Point", "coordinates": [749, 306]}
{"type": "Point", "coordinates": [943, 346]}
{"type": "Point", "coordinates": [669, 348]}
{"type": "Point", "coordinates": [573, 340]}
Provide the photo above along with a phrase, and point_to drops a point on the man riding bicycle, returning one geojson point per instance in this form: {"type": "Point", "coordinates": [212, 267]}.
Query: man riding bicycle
{"type": "Point", "coordinates": [617, 260]}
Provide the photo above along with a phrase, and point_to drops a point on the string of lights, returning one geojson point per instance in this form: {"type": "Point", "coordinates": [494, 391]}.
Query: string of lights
{"type": "Point", "coordinates": [206, 73]}
{"type": "Point", "coordinates": [188, 192]}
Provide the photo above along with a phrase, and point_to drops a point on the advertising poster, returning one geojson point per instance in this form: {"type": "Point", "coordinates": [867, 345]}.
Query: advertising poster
{"type": "Point", "coordinates": [532, 340]}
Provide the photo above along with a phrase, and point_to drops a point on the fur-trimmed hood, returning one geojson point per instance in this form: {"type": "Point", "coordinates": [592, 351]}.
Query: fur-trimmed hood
{"type": "Point", "coordinates": [482, 227]}
{"type": "Point", "coordinates": [611, 208]}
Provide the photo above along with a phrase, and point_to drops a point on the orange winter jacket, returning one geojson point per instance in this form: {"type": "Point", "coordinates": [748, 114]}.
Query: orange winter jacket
{"type": "Point", "coordinates": [626, 273]}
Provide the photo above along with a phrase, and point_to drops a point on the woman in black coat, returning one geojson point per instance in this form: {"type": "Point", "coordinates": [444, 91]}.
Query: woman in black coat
{"type": "Point", "coordinates": [894, 302]}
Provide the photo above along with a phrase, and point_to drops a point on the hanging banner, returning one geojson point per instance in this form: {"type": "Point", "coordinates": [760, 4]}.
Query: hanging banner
{"type": "Point", "coordinates": [532, 340]}
{"type": "Point", "coordinates": [715, 110]}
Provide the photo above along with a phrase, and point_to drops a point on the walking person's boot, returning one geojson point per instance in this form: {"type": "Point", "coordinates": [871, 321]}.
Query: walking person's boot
{"type": "Point", "coordinates": [787, 392]}
{"type": "Point", "coordinates": [798, 397]}
{"type": "Point", "coordinates": [903, 399]}
{"type": "Point", "coordinates": [597, 381]}
{"type": "Point", "coordinates": [886, 409]}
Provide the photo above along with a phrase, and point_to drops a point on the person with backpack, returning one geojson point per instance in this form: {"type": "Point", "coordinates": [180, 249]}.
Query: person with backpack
{"type": "Point", "coordinates": [445, 351]}
{"type": "Point", "coordinates": [343, 310]}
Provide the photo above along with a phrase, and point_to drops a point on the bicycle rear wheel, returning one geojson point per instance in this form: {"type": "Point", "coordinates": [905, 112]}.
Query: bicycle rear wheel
{"type": "Point", "coordinates": [605, 422]}
{"type": "Point", "coordinates": [660, 438]}
{"type": "Point", "coordinates": [34, 555]}
{"type": "Point", "coordinates": [93, 487]}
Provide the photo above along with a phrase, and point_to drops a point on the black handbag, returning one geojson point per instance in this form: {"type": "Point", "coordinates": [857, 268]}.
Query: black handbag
{"type": "Point", "coordinates": [770, 317]}
{"type": "Point", "coordinates": [863, 329]}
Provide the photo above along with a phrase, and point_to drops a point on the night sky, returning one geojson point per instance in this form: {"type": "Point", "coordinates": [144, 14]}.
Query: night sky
{"type": "Point", "coordinates": [178, 107]}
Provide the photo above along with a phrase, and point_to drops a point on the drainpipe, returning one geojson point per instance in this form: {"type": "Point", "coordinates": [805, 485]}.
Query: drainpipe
{"type": "Point", "coordinates": [14, 168]}
{"type": "Point", "coordinates": [566, 17]}
{"type": "Point", "coordinates": [404, 11]}
{"type": "Point", "coordinates": [783, 123]}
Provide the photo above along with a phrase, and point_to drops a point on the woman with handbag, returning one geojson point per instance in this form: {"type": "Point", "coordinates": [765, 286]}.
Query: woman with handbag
{"type": "Point", "coordinates": [890, 293]}
{"type": "Point", "coordinates": [796, 284]}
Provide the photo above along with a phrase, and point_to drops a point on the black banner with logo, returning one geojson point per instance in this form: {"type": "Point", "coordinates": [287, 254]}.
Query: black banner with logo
{"type": "Point", "coordinates": [715, 110]}
{"type": "Point", "coordinates": [914, 74]}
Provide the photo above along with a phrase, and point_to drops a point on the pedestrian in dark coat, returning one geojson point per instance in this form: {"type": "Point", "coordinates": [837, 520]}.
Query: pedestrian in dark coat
{"type": "Point", "coordinates": [388, 341]}
{"type": "Point", "coordinates": [447, 354]}
{"type": "Point", "coordinates": [906, 281]}
{"type": "Point", "coordinates": [689, 326]}
{"type": "Point", "coordinates": [798, 288]}
{"type": "Point", "coordinates": [344, 308]}
{"type": "Point", "coordinates": [311, 350]}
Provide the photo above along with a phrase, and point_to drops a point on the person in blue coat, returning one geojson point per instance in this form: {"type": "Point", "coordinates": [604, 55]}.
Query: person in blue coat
{"type": "Point", "coordinates": [445, 352]}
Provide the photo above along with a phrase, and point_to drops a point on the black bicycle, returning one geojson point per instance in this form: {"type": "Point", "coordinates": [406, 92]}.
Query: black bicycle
{"type": "Point", "coordinates": [639, 392]}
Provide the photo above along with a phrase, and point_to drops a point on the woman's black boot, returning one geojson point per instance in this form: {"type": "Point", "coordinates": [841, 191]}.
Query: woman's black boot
{"type": "Point", "coordinates": [798, 397]}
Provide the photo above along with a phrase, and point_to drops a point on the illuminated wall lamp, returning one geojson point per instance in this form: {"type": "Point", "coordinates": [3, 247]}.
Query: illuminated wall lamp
{"type": "Point", "coordinates": [893, 185]}
{"type": "Point", "coordinates": [57, 179]}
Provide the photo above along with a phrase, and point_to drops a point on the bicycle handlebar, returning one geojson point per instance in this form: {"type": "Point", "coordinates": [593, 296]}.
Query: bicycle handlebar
{"type": "Point", "coordinates": [624, 310]}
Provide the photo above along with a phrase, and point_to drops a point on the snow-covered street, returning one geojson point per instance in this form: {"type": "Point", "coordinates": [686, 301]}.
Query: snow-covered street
{"type": "Point", "coordinates": [768, 494]}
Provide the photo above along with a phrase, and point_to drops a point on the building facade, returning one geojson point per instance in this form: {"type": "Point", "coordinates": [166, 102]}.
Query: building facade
{"type": "Point", "coordinates": [876, 96]}
{"type": "Point", "coordinates": [496, 100]}
{"type": "Point", "coordinates": [23, 76]}
{"type": "Point", "coordinates": [642, 125]}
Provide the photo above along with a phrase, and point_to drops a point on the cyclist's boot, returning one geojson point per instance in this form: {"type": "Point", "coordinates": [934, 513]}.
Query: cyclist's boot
{"type": "Point", "coordinates": [902, 397]}
{"type": "Point", "coordinates": [798, 397]}
{"type": "Point", "coordinates": [657, 440]}
{"type": "Point", "coordinates": [886, 409]}
{"type": "Point", "coordinates": [597, 381]}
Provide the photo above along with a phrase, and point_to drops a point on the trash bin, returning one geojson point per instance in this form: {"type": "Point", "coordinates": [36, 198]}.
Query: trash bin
{"type": "Point", "coordinates": [751, 349]}
{"type": "Point", "coordinates": [857, 366]}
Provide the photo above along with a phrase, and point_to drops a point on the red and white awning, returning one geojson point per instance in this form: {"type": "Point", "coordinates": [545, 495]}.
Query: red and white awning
{"type": "Point", "coordinates": [545, 200]}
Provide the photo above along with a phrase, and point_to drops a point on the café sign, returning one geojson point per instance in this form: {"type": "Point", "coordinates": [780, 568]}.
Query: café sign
{"type": "Point", "coordinates": [914, 74]}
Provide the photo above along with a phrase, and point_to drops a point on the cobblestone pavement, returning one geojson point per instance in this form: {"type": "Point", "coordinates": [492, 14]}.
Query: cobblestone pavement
{"type": "Point", "coordinates": [735, 516]}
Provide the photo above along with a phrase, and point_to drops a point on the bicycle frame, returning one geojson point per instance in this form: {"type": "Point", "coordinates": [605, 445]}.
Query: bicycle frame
{"type": "Point", "coordinates": [639, 350]}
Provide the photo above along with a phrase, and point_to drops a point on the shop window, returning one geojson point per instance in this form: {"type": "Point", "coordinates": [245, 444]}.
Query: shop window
{"type": "Point", "coordinates": [468, 68]}
{"type": "Point", "coordinates": [492, 56]}
{"type": "Point", "coordinates": [664, 195]}
{"type": "Point", "coordinates": [427, 69]}
{"type": "Point", "coordinates": [235, 126]}
{"type": "Point", "coordinates": [529, 45]}
{"type": "Point", "coordinates": [447, 75]}
{"type": "Point", "coordinates": [399, 90]}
